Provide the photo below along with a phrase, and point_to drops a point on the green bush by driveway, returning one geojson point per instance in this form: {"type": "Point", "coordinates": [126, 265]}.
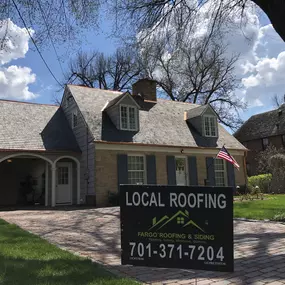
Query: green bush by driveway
{"type": "Point", "coordinates": [262, 181]}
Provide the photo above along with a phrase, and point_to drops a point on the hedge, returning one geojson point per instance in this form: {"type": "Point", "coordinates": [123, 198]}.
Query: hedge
{"type": "Point", "coordinates": [262, 181]}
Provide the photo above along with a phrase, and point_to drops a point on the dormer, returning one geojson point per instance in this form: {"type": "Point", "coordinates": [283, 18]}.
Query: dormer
{"type": "Point", "coordinates": [123, 112]}
{"type": "Point", "coordinates": [204, 119]}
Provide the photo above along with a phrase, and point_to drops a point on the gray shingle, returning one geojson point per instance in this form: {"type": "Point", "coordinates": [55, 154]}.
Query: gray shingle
{"type": "Point", "coordinates": [27, 126]}
{"type": "Point", "coordinates": [160, 123]}
{"type": "Point", "coordinates": [196, 112]}
{"type": "Point", "coordinates": [263, 125]}
{"type": "Point", "coordinates": [114, 101]}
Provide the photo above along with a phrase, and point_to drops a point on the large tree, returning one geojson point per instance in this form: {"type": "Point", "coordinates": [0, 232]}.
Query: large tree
{"type": "Point", "coordinates": [115, 72]}
{"type": "Point", "coordinates": [152, 13]}
{"type": "Point", "coordinates": [59, 20]}
{"type": "Point", "coordinates": [191, 68]}
{"type": "Point", "coordinates": [62, 20]}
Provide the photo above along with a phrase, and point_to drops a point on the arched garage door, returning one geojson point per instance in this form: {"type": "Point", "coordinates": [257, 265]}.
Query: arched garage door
{"type": "Point", "coordinates": [24, 180]}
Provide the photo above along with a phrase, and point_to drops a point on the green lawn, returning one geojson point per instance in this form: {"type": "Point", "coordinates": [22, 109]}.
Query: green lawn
{"type": "Point", "coordinates": [261, 209]}
{"type": "Point", "coordinates": [29, 260]}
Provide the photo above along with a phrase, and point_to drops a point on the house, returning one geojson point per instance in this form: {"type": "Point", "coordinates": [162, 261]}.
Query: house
{"type": "Point", "coordinates": [258, 132]}
{"type": "Point", "coordinates": [96, 139]}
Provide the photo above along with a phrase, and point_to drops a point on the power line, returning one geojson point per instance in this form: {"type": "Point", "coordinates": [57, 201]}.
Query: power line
{"type": "Point", "coordinates": [48, 30]}
{"type": "Point", "coordinates": [35, 43]}
{"type": "Point", "coordinates": [82, 69]}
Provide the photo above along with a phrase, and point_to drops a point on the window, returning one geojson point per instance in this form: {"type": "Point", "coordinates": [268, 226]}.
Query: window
{"type": "Point", "coordinates": [136, 170]}
{"type": "Point", "coordinates": [129, 119]}
{"type": "Point", "coordinates": [74, 119]}
{"type": "Point", "coordinates": [210, 126]}
{"type": "Point", "coordinates": [265, 143]}
{"type": "Point", "coordinates": [62, 176]}
{"type": "Point", "coordinates": [220, 172]}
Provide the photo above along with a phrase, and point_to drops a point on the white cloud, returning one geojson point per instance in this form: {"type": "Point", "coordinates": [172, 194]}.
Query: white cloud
{"type": "Point", "coordinates": [15, 41]}
{"type": "Point", "coordinates": [14, 80]}
{"type": "Point", "coordinates": [265, 72]}
{"type": "Point", "coordinates": [261, 65]}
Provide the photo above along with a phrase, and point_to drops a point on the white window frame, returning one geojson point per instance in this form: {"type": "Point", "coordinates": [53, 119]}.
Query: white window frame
{"type": "Point", "coordinates": [204, 126]}
{"type": "Point", "coordinates": [144, 165]}
{"type": "Point", "coordinates": [224, 171]}
{"type": "Point", "coordinates": [74, 113]}
{"type": "Point", "coordinates": [128, 118]}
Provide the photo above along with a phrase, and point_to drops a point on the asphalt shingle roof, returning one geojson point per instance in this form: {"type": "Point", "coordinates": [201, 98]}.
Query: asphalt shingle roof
{"type": "Point", "coordinates": [115, 101]}
{"type": "Point", "coordinates": [28, 126]}
{"type": "Point", "coordinates": [160, 123]}
{"type": "Point", "coordinates": [263, 125]}
{"type": "Point", "coordinates": [196, 111]}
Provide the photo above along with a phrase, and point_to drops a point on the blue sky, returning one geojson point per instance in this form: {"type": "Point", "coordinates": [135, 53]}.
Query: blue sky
{"type": "Point", "coordinates": [261, 67]}
{"type": "Point", "coordinates": [45, 85]}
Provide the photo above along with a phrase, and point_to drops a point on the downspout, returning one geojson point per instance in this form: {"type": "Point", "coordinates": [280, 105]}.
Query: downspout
{"type": "Point", "coordinates": [87, 162]}
{"type": "Point", "coordinates": [244, 168]}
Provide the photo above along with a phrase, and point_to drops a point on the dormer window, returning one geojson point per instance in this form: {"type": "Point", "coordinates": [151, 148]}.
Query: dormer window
{"type": "Point", "coordinates": [210, 126]}
{"type": "Point", "coordinates": [129, 118]}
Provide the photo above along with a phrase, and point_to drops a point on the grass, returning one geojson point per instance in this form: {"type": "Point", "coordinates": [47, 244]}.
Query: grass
{"type": "Point", "coordinates": [272, 208]}
{"type": "Point", "coordinates": [29, 260]}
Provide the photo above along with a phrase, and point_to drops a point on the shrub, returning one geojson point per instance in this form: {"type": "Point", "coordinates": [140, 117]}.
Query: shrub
{"type": "Point", "coordinates": [277, 164]}
{"type": "Point", "coordinates": [113, 198]}
{"type": "Point", "coordinates": [263, 181]}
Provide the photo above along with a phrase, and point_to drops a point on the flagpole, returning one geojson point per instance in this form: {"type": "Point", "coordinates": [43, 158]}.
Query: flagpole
{"type": "Point", "coordinates": [220, 149]}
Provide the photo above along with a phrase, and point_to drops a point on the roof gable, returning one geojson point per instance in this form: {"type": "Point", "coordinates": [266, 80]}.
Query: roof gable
{"type": "Point", "coordinates": [200, 111]}
{"type": "Point", "coordinates": [119, 99]}
{"type": "Point", "coordinates": [161, 123]}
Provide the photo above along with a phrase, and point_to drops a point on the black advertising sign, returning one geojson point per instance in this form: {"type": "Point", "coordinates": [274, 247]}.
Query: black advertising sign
{"type": "Point", "coordinates": [177, 227]}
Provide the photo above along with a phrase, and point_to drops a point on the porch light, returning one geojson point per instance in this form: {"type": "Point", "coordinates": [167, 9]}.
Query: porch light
{"type": "Point", "coordinates": [9, 160]}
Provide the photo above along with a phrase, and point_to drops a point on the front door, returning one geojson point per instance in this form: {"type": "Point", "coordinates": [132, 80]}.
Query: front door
{"type": "Point", "coordinates": [181, 173]}
{"type": "Point", "coordinates": [63, 189]}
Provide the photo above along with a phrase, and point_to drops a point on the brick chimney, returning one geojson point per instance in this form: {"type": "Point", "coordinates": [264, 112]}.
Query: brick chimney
{"type": "Point", "coordinates": [145, 88]}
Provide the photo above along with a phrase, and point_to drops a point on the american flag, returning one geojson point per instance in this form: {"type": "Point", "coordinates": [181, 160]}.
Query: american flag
{"type": "Point", "coordinates": [224, 154]}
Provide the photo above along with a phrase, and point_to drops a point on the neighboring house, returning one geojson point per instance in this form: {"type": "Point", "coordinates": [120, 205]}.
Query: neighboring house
{"type": "Point", "coordinates": [258, 132]}
{"type": "Point", "coordinates": [97, 139]}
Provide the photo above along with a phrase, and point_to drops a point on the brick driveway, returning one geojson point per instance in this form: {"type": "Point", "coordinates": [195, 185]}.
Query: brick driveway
{"type": "Point", "coordinates": [259, 247]}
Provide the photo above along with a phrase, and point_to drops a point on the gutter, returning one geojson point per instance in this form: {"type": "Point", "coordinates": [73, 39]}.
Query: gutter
{"type": "Point", "coordinates": [163, 145]}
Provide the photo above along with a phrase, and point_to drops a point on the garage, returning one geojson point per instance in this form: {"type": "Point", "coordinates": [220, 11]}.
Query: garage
{"type": "Point", "coordinates": [23, 181]}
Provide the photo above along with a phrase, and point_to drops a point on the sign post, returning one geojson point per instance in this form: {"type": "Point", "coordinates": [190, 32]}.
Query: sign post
{"type": "Point", "coordinates": [177, 227]}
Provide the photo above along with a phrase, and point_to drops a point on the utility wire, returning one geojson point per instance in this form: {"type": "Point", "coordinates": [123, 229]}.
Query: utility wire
{"type": "Point", "coordinates": [86, 65]}
{"type": "Point", "coordinates": [48, 30]}
{"type": "Point", "coordinates": [35, 44]}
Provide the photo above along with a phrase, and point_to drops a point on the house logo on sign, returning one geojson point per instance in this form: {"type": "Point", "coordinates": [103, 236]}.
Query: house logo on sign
{"type": "Point", "coordinates": [181, 218]}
